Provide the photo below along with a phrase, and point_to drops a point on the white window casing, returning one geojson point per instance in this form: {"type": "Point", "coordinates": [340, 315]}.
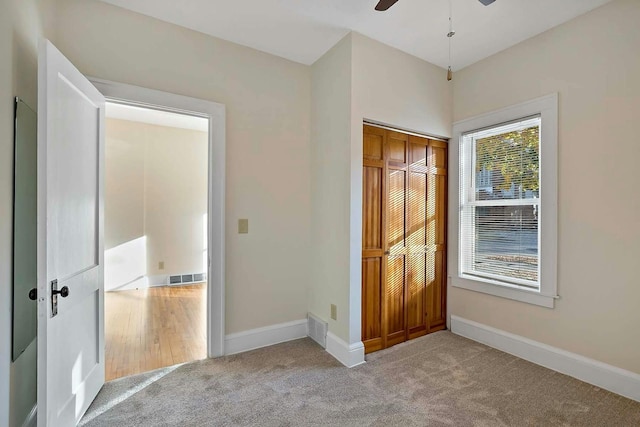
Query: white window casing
{"type": "Point", "coordinates": [513, 271]}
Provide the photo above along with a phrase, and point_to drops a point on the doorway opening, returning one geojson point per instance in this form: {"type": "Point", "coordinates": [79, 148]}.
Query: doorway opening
{"type": "Point", "coordinates": [215, 114]}
{"type": "Point", "coordinates": [156, 239]}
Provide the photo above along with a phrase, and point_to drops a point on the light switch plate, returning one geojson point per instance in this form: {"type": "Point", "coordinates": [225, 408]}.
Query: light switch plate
{"type": "Point", "coordinates": [161, 265]}
{"type": "Point", "coordinates": [334, 312]}
{"type": "Point", "coordinates": [243, 226]}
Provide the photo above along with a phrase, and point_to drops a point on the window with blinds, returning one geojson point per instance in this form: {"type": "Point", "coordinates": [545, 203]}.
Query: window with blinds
{"type": "Point", "coordinates": [500, 203]}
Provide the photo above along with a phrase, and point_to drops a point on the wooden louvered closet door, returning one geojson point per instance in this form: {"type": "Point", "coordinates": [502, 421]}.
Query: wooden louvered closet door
{"type": "Point", "coordinates": [403, 237]}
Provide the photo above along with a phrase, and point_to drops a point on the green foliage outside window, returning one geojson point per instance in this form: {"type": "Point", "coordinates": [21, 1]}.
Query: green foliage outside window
{"type": "Point", "coordinates": [515, 155]}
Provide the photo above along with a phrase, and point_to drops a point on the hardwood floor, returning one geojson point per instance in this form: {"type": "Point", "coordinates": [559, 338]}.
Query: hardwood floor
{"type": "Point", "coordinates": [153, 328]}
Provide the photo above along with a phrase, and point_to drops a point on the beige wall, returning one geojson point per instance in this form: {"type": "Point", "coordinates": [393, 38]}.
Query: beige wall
{"type": "Point", "coordinates": [594, 65]}
{"type": "Point", "coordinates": [268, 151]}
{"type": "Point", "coordinates": [395, 88]}
{"type": "Point", "coordinates": [21, 25]}
{"type": "Point", "coordinates": [359, 79]}
{"type": "Point", "coordinates": [330, 158]}
{"type": "Point", "coordinates": [6, 203]}
{"type": "Point", "coordinates": [156, 190]}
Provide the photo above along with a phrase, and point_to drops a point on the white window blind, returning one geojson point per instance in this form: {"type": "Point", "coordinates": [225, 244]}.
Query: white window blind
{"type": "Point", "coordinates": [500, 203]}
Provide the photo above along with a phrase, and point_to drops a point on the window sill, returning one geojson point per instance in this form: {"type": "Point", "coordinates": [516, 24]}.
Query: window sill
{"type": "Point", "coordinates": [500, 290]}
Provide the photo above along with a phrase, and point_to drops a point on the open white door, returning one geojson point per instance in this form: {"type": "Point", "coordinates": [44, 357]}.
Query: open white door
{"type": "Point", "coordinates": [71, 362]}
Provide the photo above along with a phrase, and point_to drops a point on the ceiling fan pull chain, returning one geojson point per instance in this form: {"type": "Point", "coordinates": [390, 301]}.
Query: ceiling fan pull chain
{"type": "Point", "coordinates": [450, 35]}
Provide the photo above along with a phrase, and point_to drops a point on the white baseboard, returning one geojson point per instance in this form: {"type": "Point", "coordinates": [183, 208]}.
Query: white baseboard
{"type": "Point", "coordinates": [145, 283]}
{"type": "Point", "coordinates": [163, 280]}
{"type": "Point", "coordinates": [608, 377]}
{"type": "Point", "coordinates": [137, 283]}
{"type": "Point", "coordinates": [158, 280]}
{"type": "Point", "coordinates": [349, 355]}
{"type": "Point", "coordinates": [32, 418]}
{"type": "Point", "coordinates": [264, 337]}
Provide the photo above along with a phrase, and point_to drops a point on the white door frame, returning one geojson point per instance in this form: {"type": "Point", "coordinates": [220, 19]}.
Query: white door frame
{"type": "Point", "coordinates": [215, 112]}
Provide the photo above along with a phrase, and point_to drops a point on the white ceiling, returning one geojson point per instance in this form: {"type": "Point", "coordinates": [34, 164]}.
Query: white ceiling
{"type": "Point", "coordinates": [303, 30]}
{"type": "Point", "coordinates": [155, 117]}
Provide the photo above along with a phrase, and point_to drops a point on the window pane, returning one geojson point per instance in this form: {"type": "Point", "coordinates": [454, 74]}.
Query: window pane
{"type": "Point", "coordinates": [506, 242]}
{"type": "Point", "coordinates": [507, 165]}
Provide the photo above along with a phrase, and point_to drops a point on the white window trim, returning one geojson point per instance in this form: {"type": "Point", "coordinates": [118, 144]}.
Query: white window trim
{"type": "Point", "coordinates": [547, 108]}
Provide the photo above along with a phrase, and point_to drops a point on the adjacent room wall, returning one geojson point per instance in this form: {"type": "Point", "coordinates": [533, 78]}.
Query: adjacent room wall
{"type": "Point", "coordinates": [268, 152]}
{"type": "Point", "coordinates": [593, 63]}
{"type": "Point", "coordinates": [125, 244]}
{"type": "Point", "coordinates": [22, 23]}
{"type": "Point", "coordinates": [125, 145]}
{"type": "Point", "coordinates": [176, 194]}
{"type": "Point", "coordinates": [155, 203]}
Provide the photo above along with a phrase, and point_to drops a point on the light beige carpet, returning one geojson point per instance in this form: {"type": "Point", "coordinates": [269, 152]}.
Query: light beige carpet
{"type": "Point", "coordinates": [440, 380]}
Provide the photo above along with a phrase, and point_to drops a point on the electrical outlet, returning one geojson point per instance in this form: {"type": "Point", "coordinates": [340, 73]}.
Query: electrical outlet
{"type": "Point", "coordinates": [334, 312]}
{"type": "Point", "coordinates": [161, 265]}
{"type": "Point", "coordinates": [243, 226]}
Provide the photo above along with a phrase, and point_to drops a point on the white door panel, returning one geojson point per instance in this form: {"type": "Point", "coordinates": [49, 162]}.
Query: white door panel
{"type": "Point", "coordinates": [70, 240]}
{"type": "Point", "coordinates": [74, 231]}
